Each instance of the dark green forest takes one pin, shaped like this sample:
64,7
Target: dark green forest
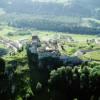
50,23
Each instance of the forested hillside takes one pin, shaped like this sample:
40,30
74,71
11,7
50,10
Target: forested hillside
54,7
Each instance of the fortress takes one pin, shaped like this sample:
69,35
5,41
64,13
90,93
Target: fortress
44,56
41,50
48,54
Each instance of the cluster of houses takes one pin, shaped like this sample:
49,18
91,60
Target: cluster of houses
14,46
52,44
66,38
96,41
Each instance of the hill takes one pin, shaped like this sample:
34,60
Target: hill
53,7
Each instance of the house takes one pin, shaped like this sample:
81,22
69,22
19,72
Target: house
97,41
24,41
66,38
35,40
90,41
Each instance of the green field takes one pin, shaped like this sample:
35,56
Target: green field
5,29
95,55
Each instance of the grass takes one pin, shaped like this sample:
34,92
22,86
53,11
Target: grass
2,46
95,55
76,37
4,30
19,55
18,37
43,34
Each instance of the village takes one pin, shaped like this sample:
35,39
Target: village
59,45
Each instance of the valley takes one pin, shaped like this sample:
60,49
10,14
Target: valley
74,49
49,50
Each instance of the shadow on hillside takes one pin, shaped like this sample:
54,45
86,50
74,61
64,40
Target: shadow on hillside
3,52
